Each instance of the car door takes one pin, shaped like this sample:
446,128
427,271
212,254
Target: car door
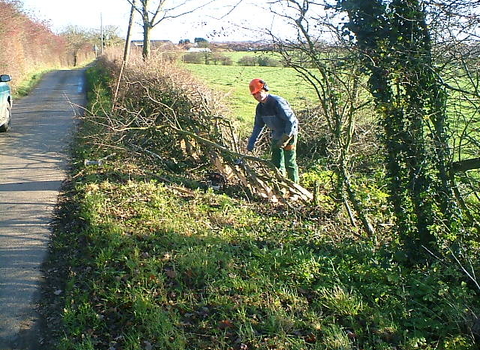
5,102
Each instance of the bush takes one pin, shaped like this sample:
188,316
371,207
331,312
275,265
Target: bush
194,57
266,61
220,58
248,61
227,61
170,56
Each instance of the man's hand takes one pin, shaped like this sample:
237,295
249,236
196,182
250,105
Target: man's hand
283,141
238,161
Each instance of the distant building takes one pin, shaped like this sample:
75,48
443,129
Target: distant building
155,44
199,49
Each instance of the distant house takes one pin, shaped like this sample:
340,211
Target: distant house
199,49
155,44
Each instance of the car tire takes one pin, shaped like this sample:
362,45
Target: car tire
6,126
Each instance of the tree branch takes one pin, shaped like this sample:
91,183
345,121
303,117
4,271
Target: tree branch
464,165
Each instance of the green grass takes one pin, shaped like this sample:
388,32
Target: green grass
204,271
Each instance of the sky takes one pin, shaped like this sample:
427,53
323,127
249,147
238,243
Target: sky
215,23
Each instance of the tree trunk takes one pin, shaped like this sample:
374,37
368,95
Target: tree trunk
146,31
407,93
146,42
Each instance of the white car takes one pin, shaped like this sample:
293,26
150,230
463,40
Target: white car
5,102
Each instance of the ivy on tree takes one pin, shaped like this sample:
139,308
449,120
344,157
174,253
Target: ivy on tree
396,49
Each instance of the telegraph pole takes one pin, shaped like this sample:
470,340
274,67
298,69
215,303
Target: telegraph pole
126,53
102,44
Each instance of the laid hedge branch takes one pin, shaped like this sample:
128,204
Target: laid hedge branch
260,176
267,181
465,165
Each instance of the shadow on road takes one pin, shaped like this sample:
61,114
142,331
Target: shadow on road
33,159
31,186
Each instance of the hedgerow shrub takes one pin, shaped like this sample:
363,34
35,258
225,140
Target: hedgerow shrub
222,59
266,61
28,44
248,61
167,98
262,61
194,57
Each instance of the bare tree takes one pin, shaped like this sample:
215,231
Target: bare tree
78,40
109,36
335,76
154,12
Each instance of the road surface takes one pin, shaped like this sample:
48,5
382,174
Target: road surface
33,155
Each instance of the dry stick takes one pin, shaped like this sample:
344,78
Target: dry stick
115,95
469,275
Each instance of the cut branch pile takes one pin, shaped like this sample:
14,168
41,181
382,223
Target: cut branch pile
162,112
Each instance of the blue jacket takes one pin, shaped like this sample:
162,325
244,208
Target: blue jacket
277,115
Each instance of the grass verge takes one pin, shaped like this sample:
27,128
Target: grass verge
25,86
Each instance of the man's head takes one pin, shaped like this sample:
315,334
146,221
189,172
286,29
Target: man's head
259,88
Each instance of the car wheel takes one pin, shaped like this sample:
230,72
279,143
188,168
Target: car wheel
6,126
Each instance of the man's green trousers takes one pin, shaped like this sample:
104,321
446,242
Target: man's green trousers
285,159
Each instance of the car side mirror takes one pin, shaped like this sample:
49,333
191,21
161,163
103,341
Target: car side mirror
4,78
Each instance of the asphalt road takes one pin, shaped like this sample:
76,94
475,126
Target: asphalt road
33,159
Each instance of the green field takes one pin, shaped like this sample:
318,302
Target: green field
234,80
237,55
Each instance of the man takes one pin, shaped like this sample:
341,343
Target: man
275,113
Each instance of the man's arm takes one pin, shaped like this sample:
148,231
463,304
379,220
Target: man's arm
257,129
285,112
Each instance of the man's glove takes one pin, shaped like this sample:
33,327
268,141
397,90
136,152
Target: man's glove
283,141
238,161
